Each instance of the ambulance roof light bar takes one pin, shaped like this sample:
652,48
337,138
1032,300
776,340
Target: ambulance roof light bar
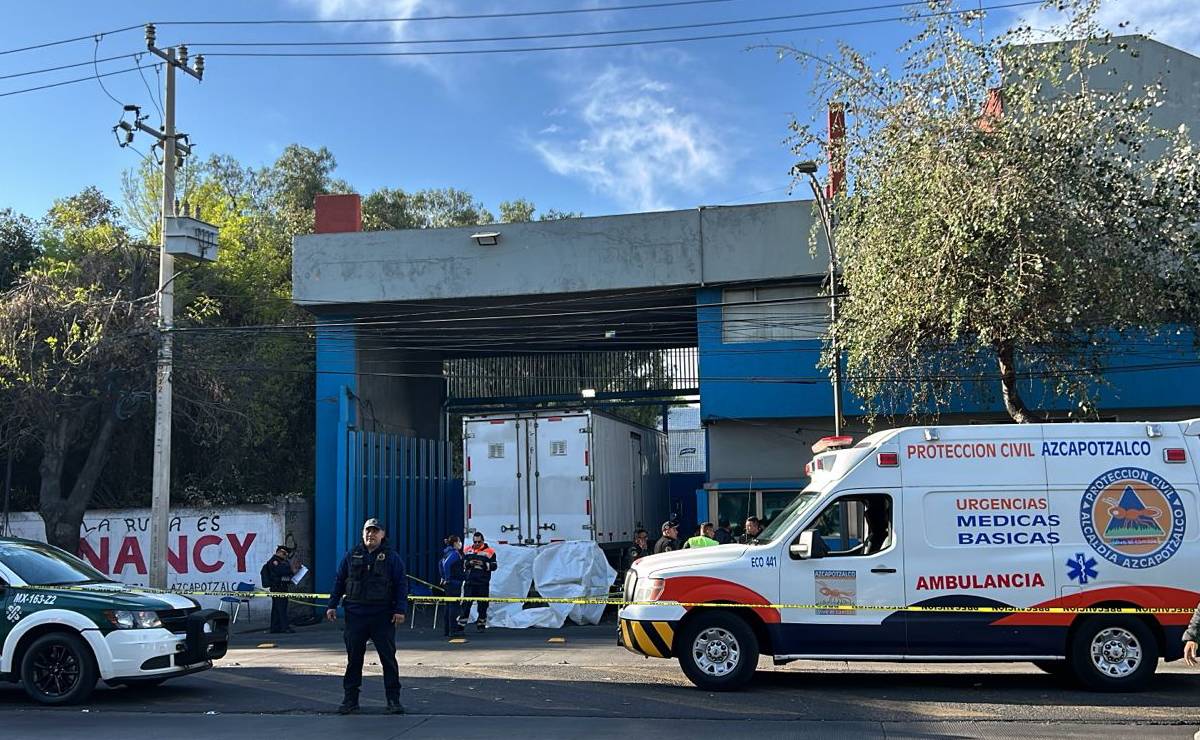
828,444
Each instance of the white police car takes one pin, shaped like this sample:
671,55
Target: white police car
64,626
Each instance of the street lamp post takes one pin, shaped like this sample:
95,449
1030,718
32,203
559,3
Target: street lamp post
810,169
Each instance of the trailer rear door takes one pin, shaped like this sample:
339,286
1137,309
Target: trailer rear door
562,479
497,497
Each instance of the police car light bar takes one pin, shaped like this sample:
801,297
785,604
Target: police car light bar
825,444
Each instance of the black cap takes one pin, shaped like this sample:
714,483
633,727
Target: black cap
668,524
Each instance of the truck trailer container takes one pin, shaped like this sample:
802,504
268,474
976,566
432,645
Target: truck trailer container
538,477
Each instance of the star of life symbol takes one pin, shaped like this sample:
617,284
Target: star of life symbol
13,613
1081,569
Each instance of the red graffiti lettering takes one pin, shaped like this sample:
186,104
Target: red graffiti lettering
130,554
202,565
240,548
99,562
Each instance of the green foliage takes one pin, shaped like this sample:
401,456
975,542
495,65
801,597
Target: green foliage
387,209
1035,239
18,246
522,210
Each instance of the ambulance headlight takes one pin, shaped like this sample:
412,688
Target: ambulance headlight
648,589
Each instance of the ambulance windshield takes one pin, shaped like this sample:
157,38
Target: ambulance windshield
787,517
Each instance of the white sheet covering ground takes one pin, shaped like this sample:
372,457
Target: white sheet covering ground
564,570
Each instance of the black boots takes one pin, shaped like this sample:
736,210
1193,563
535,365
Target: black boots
349,704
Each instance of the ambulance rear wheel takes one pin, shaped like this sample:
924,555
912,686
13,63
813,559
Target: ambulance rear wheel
717,651
1114,653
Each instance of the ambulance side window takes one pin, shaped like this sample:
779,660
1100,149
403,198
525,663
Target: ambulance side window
856,525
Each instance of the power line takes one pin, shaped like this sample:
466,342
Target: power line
473,16
616,44
572,34
132,55
89,78
70,40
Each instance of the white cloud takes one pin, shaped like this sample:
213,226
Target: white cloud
1172,22
399,31
628,139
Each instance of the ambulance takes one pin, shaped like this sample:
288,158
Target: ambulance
948,544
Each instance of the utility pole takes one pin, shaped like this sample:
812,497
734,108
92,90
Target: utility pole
173,149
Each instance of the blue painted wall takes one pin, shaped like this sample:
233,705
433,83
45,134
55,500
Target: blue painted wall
758,380
336,365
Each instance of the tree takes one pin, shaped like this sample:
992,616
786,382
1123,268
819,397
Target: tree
76,353
522,210
1035,240
18,246
436,208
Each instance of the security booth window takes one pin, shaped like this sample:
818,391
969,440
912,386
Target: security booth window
856,525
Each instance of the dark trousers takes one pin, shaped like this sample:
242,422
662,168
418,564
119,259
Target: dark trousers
475,591
453,608
279,615
377,628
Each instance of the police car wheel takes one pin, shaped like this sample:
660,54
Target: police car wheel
59,668
717,651
1114,654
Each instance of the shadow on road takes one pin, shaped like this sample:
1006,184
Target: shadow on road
623,691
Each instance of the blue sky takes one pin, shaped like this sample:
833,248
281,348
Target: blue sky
599,131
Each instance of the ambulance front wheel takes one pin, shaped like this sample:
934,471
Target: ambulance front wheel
1113,653
717,651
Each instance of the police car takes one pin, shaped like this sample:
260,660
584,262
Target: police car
949,544
64,626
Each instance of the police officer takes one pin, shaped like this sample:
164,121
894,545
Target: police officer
372,579
754,528
277,577
479,560
453,581
669,540
1191,638
639,549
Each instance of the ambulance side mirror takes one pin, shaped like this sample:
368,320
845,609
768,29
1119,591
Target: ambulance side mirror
803,548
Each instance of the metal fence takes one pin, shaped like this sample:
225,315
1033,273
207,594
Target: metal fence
613,373
407,484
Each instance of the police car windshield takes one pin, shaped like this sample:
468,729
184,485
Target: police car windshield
43,565
785,518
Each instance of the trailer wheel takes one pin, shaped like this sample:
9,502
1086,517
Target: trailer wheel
1113,653
717,651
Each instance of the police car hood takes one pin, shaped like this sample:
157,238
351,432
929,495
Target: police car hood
118,595
650,565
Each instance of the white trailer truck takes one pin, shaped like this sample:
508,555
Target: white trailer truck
533,478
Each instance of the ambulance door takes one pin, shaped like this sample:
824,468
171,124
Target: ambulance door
857,562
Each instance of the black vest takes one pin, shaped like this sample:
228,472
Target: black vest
370,579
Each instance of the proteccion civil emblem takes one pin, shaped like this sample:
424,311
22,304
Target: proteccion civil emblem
1132,517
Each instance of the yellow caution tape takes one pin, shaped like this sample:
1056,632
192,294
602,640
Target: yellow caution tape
684,604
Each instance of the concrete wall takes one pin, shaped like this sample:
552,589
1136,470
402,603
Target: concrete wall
644,250
392,397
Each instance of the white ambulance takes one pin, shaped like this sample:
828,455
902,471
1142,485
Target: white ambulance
966,518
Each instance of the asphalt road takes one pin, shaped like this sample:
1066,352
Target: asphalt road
577,683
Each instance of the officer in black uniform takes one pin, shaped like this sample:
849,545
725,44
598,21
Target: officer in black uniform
669,540
372,579
277,577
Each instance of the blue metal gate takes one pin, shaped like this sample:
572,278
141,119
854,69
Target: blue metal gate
406,483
